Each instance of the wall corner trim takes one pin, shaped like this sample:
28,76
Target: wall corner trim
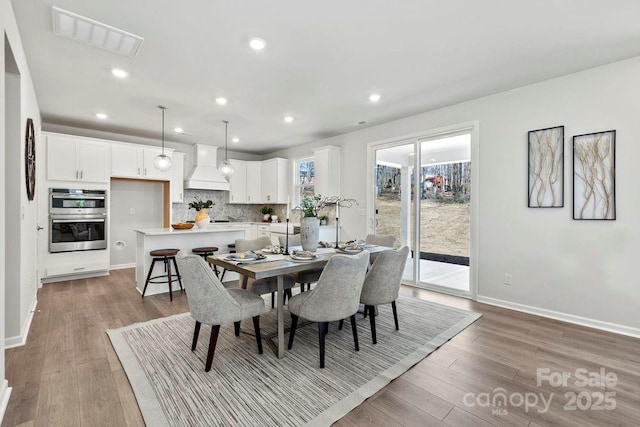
5,393
20,340
565,317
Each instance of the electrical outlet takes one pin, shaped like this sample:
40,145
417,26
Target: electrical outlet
508,279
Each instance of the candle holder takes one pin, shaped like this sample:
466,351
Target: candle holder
337,229
286,245
340,202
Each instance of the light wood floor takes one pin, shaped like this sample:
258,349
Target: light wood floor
67,374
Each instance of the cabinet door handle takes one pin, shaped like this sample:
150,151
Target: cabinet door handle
268,197
76,174
232,197
145,171
248,198
79,268
180,196
81,174
138,171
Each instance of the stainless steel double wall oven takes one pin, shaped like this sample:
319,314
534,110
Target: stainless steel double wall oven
77,219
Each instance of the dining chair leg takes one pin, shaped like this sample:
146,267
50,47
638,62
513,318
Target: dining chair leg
292,330
196,332
355,331
273,300
236,328
372,321
395,314
215,329
256,329
322,331
340,324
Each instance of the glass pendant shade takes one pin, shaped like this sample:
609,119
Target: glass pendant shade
162,162
225,168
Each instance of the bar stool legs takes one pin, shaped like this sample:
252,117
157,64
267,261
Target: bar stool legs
167,256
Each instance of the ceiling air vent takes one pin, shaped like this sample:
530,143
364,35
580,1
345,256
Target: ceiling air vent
73,26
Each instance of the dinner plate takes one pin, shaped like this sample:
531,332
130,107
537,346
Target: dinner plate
246,257
303,259
349,251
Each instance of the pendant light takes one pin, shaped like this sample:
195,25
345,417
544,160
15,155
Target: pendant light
162,162
225,168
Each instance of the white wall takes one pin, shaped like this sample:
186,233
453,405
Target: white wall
27,225
134,204
577,270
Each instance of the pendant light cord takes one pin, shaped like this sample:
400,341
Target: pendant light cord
226,141
162,108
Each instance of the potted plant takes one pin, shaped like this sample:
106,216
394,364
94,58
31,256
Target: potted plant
266,211
324,219
310,224
202,218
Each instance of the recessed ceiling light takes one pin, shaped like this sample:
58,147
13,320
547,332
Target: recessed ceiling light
179,130
101,116
375,97
288,119
257,43
119,73
221,100
235,139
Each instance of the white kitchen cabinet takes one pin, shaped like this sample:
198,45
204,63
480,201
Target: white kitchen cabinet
177,178
136,161
254,187
238,182
71,158
275,180
327,170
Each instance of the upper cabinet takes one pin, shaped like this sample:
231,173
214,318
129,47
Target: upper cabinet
274,180
177,177
136,161
71,158
259,182
327,170
254,188
238,182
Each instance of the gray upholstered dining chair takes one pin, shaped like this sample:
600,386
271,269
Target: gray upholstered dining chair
382,284
305,278
210,303
335,297
269,284
379,240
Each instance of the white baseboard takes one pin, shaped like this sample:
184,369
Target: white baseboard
122,266
17,341
5,393
565,317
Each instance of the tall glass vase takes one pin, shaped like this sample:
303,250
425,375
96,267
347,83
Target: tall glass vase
310,233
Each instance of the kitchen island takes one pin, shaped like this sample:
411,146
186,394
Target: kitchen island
149,239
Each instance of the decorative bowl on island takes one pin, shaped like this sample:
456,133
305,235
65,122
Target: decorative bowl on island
182,226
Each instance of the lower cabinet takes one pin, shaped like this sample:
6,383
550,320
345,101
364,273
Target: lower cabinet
65,265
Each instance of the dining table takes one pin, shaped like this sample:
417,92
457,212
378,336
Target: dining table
278,265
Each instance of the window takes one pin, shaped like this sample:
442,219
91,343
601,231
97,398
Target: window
304,178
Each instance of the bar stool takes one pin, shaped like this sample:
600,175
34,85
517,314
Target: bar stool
165,255
204,252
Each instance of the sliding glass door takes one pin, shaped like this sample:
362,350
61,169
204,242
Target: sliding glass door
423,198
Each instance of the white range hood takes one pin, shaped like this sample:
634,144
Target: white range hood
205,174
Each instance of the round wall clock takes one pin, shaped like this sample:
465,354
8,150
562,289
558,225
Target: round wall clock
30,159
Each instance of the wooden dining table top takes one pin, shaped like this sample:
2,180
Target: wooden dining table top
275,265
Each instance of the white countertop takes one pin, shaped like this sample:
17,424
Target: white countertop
213,228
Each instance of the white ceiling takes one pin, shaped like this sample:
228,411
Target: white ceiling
322,61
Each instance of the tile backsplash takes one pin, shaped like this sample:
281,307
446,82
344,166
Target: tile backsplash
222,209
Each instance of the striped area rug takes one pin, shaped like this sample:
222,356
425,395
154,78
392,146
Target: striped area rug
244,388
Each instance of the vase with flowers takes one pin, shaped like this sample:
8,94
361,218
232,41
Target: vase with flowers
202,218
310,224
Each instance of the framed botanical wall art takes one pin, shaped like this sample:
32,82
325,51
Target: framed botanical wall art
594,172
546,168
